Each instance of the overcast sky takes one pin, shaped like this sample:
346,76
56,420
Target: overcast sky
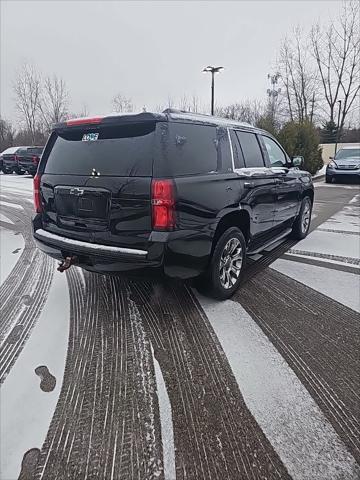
149,50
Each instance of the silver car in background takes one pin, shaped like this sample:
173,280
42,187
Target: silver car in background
345,164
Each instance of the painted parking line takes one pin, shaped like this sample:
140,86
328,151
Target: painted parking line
305,441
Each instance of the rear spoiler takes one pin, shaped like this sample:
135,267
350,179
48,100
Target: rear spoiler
116,119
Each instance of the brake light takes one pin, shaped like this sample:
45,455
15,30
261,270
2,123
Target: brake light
163,204
35,159
16,158
83,121
37,196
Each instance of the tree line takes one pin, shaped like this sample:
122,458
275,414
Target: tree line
314,91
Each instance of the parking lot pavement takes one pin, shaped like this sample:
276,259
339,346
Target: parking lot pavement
115,379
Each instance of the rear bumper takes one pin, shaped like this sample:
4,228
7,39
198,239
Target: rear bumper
10,166
65,243
174,254
31,168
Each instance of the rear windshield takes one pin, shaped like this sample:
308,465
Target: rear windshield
124,150
35,150
30,151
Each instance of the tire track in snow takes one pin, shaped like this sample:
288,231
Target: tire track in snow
215,435
106,423
23,293
319,339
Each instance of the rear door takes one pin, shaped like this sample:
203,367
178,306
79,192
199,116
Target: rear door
96,183
258,183
288,191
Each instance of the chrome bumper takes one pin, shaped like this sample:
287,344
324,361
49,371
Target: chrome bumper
86,247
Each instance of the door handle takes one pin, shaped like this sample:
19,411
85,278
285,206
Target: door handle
249,184
278,181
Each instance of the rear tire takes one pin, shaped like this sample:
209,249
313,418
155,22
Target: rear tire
302,223
226,268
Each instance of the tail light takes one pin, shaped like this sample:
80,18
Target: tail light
16,158
163,204
35,159
37,196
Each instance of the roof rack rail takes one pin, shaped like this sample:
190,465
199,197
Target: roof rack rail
204,116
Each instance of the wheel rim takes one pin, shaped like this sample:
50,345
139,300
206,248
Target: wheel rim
230,263
305,220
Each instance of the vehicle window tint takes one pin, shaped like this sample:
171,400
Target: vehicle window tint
21,152
125,150
238,155
35,150
276,155
193,149
347,153
251,149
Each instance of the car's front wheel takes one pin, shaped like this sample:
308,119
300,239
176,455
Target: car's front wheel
227,264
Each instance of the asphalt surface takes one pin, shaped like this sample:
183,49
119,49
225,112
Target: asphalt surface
146,386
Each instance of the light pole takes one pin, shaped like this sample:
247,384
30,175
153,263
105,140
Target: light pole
338,124
212,70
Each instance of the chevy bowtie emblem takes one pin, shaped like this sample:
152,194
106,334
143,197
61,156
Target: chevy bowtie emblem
77,191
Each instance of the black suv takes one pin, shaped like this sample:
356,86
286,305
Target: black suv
21,159
174,193
28,159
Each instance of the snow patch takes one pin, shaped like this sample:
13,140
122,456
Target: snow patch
25,410
9,243
167,433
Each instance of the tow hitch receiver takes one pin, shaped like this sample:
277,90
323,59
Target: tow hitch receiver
66,263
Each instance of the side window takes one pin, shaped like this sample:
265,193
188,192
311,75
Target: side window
193,149
251,149
238,156
276,155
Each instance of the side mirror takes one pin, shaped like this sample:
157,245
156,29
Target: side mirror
297,161
331,158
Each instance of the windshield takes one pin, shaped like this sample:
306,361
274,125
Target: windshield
347,153
124,150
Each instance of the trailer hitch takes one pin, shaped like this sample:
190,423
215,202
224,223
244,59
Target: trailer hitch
66,263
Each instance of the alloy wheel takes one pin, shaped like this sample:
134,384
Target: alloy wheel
230,263
306,215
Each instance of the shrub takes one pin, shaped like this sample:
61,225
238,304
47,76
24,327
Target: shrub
302,139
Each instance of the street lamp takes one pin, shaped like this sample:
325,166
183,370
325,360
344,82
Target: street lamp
338,125
212,70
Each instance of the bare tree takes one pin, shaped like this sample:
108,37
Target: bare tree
7,133
84,112
249,111
122,104
53,103
299,78
27,88
337,54
191,104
